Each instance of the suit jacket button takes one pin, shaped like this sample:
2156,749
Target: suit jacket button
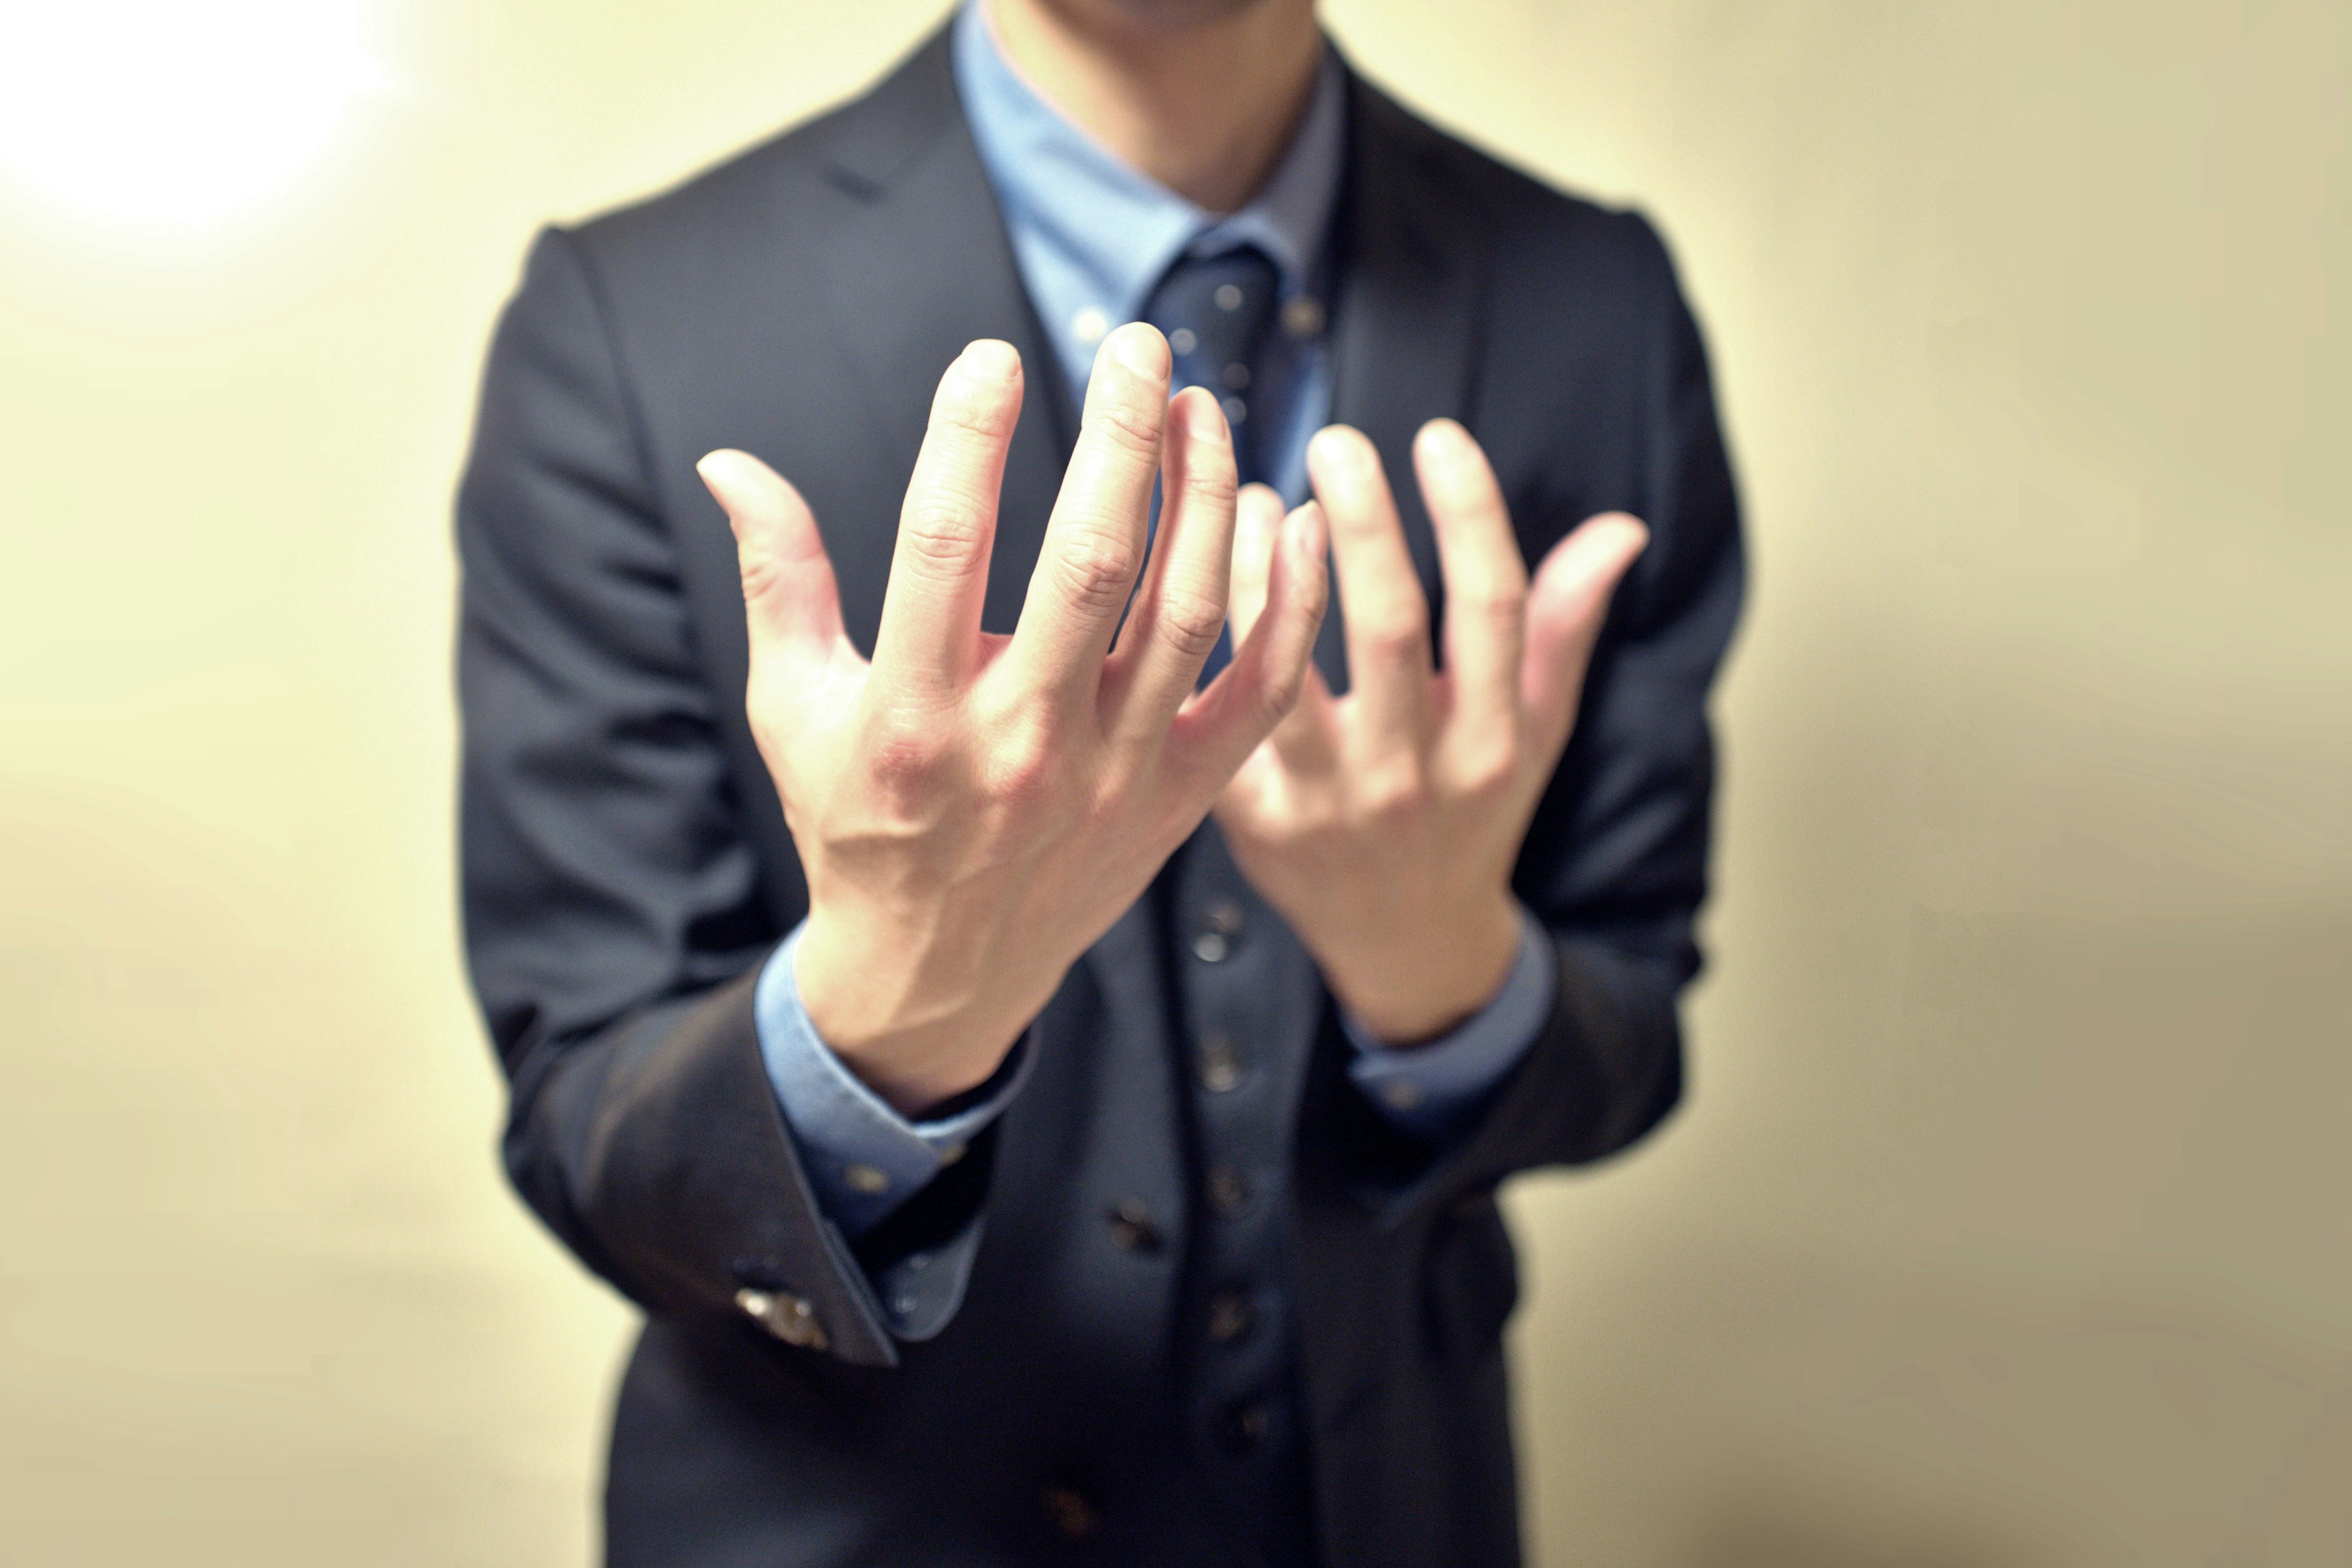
788,1317
1230,1316
1242,1427
1221,1065
1132,1229
1074,1516
1229,1192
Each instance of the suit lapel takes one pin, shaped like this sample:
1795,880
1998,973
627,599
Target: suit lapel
920,266
1404,335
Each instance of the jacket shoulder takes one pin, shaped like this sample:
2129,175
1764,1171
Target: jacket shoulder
845,149
1534,228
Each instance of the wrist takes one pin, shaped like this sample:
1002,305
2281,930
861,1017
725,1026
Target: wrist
1415,986
913,1047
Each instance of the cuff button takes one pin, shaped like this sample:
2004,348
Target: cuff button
788,1317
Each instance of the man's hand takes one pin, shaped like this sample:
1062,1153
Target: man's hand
974,810
1384,824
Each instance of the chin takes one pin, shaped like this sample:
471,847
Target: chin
1170,13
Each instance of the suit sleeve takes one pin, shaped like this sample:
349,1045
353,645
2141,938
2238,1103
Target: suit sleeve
1615,863
615,922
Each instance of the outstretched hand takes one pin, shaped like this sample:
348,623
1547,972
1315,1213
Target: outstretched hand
974,810
1384,824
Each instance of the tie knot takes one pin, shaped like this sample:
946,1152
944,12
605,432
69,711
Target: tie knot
1215,310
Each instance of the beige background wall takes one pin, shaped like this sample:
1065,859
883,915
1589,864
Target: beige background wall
2007,1222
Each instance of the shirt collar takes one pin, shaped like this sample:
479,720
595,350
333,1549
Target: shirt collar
1120,227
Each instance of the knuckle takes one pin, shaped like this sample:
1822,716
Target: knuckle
1393,794
1093,567
1212,484
1502,615
962,414
1283,686
1400,637
1489,766
1189,620
943,534
907,752
1128,427
1022,763
761,577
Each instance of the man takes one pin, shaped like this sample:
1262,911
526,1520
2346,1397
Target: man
1013,1167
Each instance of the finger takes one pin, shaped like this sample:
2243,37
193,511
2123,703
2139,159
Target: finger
1566,607
1180,608
1485,582
1381,595
1095,543
1257,523
1303,737
930,635
1273,669
792,604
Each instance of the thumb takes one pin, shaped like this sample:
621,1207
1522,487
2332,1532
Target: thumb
791,602
1566,605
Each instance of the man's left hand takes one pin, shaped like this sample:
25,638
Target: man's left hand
1383,825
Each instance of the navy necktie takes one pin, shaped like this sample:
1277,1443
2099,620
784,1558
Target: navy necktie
1215,310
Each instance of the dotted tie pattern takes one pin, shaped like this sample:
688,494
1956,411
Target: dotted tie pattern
1215,310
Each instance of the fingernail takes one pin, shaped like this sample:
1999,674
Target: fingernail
1338,447
988,360
1444,440
1142,350
1203,419
1309,536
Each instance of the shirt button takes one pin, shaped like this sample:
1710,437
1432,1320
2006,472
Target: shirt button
1237,375
1228,1192
1242,1427
1230,1316
865,1179
1302,315
1401,1095
1132,1229
1074,1516
1211,947
1228,296
1090,325
1221,1065
1237,411
1225,916
1183,340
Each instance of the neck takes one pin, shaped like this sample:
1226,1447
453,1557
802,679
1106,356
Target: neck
1201,103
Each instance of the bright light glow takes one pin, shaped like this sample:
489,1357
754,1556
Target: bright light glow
174,111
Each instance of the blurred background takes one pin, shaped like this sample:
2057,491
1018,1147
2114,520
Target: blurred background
2010,1218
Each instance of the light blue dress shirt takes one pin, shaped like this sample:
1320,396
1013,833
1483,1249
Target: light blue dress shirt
1092,238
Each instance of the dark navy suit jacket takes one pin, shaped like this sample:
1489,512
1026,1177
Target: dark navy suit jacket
627,868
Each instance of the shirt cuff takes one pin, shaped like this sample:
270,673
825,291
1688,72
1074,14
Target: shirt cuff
1428,1090
863,1157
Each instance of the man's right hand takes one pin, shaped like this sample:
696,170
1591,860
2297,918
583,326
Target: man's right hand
973,810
